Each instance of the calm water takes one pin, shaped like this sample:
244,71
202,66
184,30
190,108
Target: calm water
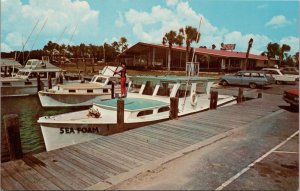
29,110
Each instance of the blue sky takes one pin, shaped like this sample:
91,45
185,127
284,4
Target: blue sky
102,21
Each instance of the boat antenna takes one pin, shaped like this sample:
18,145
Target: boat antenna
36,38
24,44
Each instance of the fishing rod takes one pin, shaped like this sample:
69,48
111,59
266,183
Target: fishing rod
37,38
24,44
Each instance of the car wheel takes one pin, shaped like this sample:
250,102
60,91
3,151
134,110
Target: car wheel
252,85
224,83
278,82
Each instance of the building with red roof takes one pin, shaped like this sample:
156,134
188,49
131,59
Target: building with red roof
148,55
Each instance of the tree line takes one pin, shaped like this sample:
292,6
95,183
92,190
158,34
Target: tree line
106,52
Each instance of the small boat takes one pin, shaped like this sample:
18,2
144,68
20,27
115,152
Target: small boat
147,101
82,94
9,67
25,81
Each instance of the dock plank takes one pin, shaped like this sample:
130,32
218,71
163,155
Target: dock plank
83,165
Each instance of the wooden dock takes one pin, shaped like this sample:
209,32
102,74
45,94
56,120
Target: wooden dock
85,165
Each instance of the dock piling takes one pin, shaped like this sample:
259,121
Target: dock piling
49,82
12,131
112,90
259,94
174,107
38,79
240,97
120,114
213,100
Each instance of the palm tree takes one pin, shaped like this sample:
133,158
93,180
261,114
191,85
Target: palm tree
284,48
123,44
191,35
296,59
170,38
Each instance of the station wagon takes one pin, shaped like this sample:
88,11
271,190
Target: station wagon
248,78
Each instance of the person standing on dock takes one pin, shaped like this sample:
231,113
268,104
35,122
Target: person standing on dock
122,73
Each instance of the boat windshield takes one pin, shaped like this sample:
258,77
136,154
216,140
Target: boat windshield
101,80
31,64
22,73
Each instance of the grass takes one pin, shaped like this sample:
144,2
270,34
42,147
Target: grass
73,69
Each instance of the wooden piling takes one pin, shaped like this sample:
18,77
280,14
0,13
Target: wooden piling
12,131
213,100
38,81
174,107
61,79
5,71
148,89
112,90
259,94
165,88
49,81
120,115
240,97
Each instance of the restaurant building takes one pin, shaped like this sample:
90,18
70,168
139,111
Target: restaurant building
155,56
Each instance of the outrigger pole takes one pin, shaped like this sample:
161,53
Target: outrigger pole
189,78
24,44
37,38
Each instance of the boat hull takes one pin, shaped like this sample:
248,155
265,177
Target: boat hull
70,100
61,135
57,135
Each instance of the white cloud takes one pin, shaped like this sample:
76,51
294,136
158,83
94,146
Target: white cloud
171,2
293,42
151,26
119,22
161,20
5,48
278,21
259,41
19,19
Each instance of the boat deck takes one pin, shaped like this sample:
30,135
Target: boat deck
100,163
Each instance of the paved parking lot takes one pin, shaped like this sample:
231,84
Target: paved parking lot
263,156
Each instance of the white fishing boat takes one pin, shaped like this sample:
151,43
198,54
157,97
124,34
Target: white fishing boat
25,81
9,67
139,109
82,94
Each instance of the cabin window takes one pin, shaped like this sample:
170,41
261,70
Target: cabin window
72,91
163,109
105,90
101,80
43,75
6,83
28,83
89,91
146,112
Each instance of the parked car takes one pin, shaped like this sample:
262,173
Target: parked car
292,97
248,78
290,70
281,78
